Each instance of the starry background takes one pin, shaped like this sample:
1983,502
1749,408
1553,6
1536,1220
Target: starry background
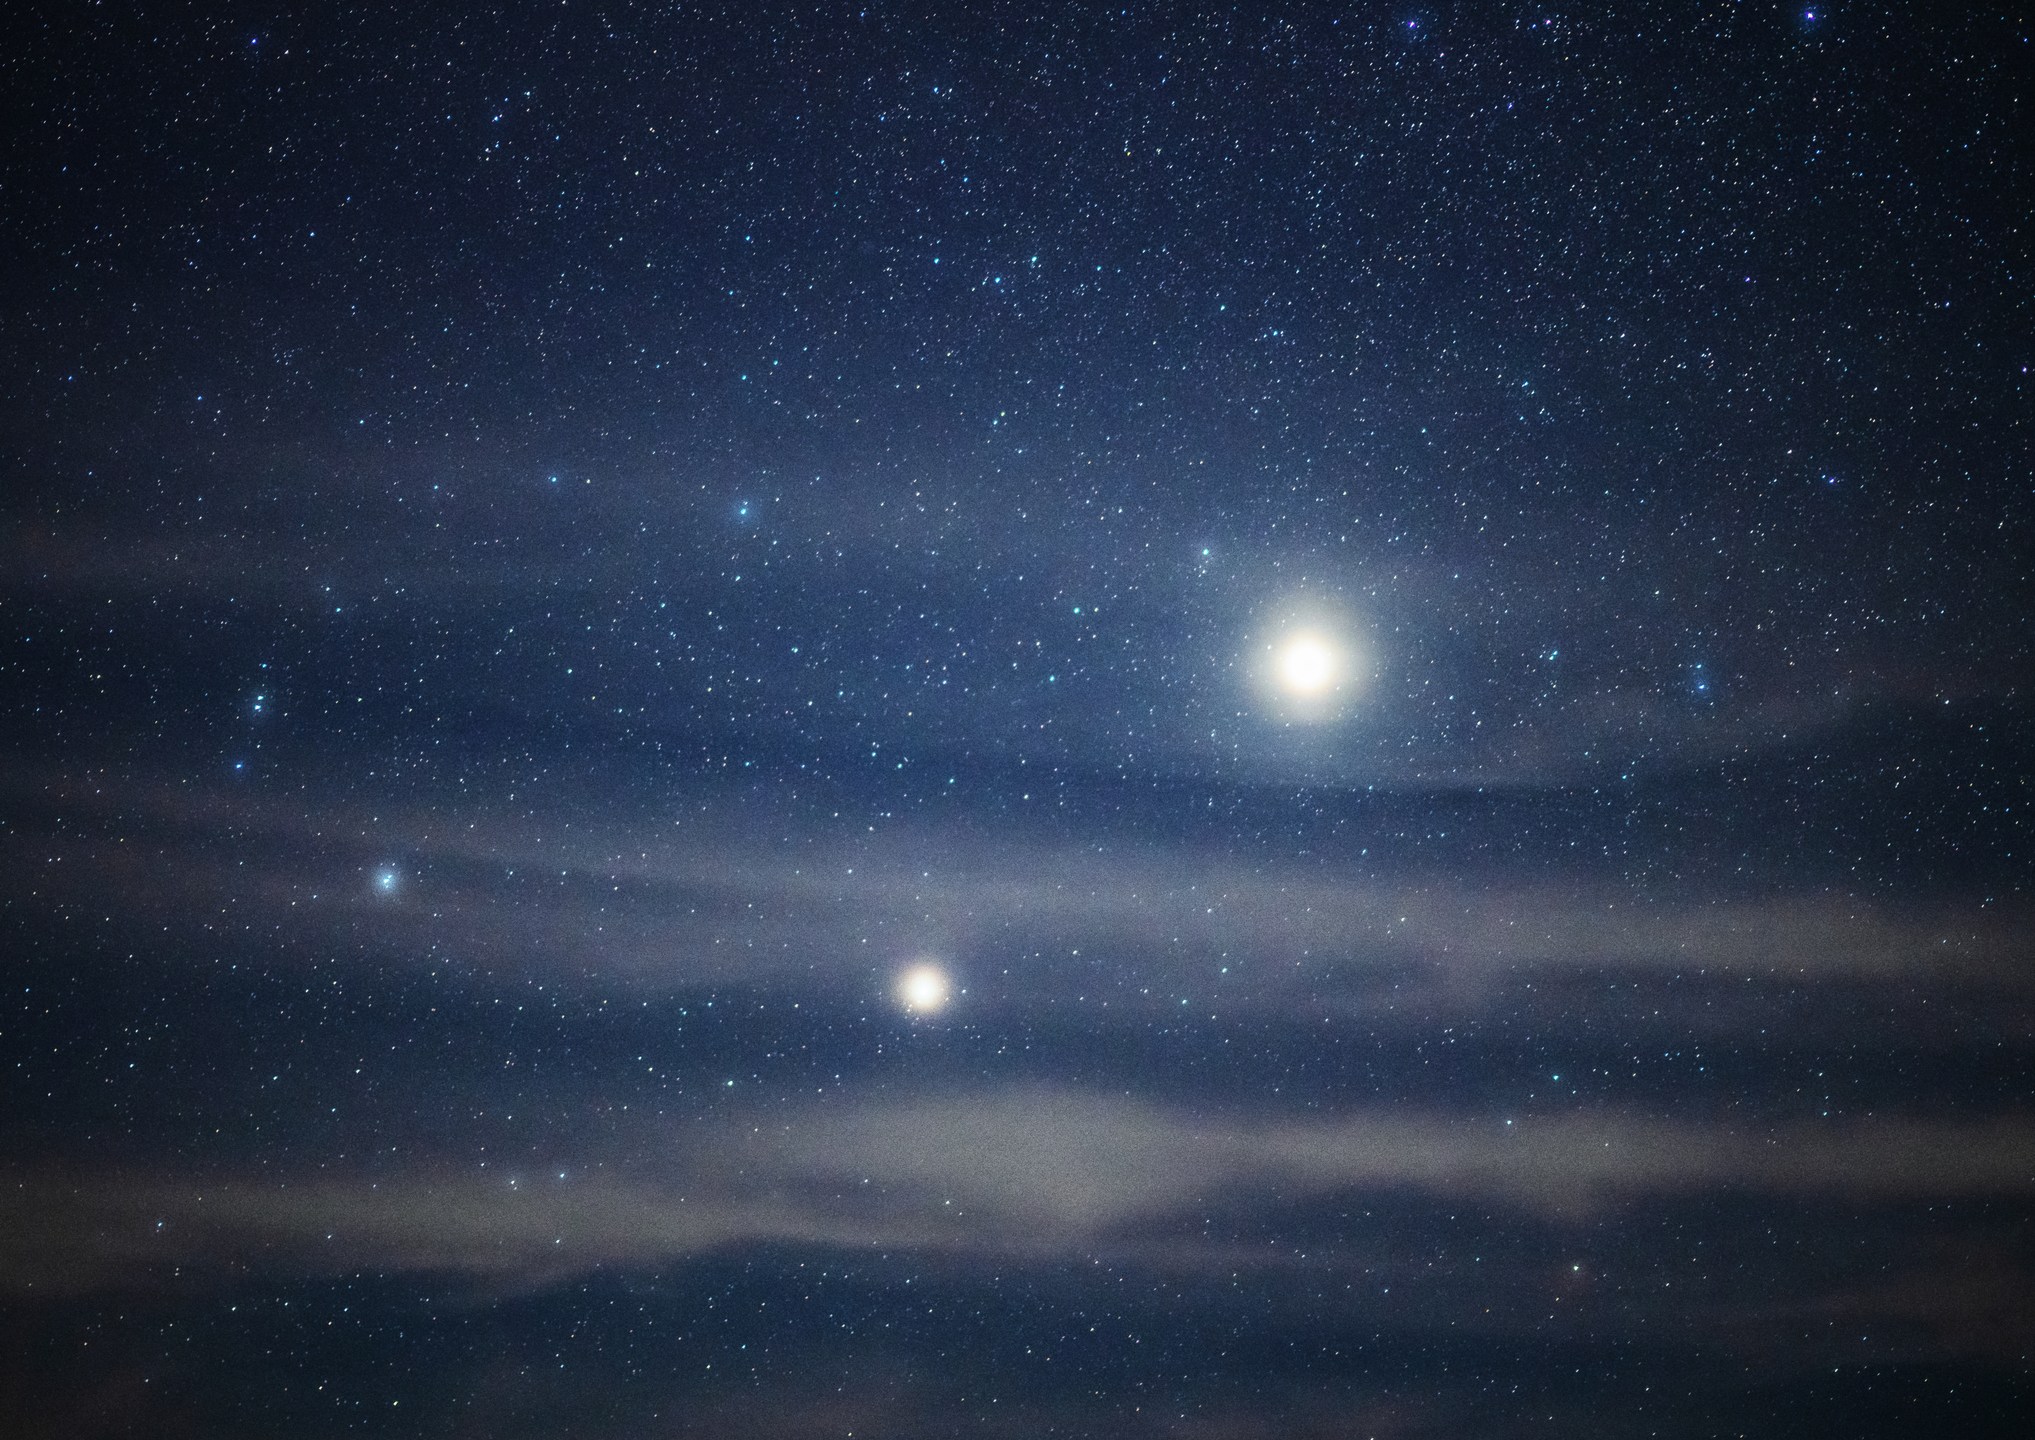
551,552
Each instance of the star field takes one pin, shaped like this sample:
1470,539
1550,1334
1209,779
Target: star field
801,721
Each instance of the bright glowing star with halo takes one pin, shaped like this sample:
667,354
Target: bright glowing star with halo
1307,666
924,989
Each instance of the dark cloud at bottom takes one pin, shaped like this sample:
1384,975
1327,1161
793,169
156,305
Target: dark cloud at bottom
1455,1323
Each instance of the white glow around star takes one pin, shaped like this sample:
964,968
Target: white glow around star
1307,665
924,989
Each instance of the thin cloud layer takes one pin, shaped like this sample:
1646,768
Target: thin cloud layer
666,902
1029,1173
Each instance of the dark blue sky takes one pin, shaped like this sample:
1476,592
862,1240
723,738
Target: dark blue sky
552,553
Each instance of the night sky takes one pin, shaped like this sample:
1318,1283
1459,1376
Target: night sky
987,721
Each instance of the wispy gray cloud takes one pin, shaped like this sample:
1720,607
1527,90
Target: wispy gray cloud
707,895
1025,1173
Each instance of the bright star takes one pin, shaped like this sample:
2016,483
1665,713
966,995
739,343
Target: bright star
1307,665
924,989
385,882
